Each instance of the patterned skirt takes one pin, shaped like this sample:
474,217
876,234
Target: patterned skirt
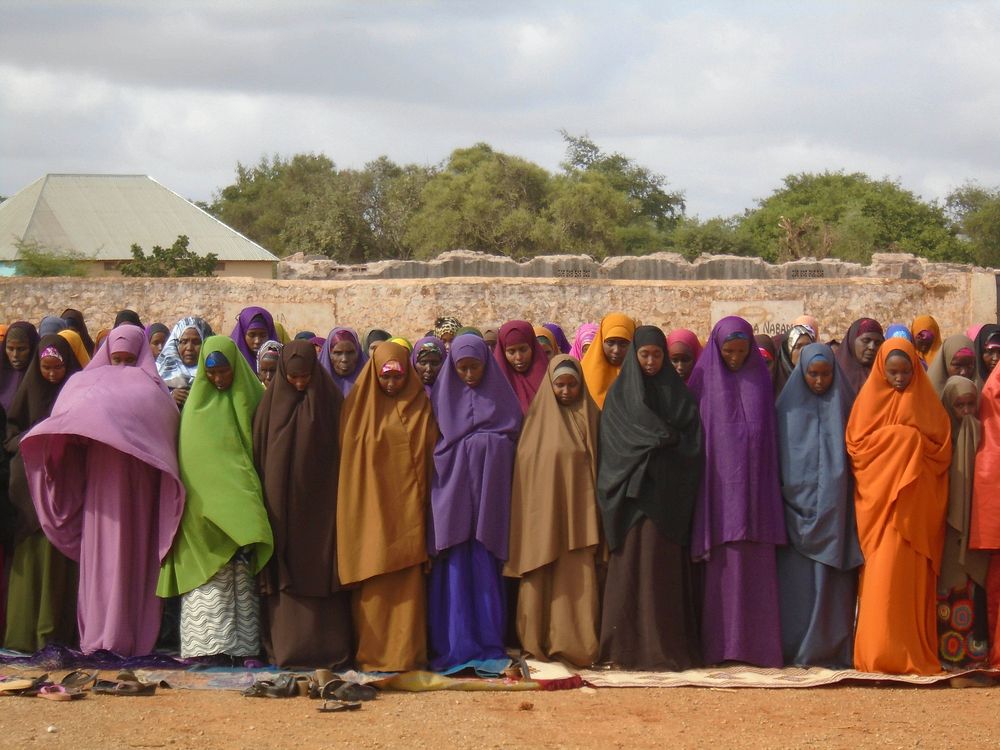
222,616
963,633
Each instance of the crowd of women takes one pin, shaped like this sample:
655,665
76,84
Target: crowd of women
631,498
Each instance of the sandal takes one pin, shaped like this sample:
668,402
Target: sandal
331,706
78,679
124,687
347,691
59,693
15,686
285,686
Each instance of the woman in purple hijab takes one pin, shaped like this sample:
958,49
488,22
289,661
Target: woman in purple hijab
739,514
342,356
561,341
254,326
427,358
16,353
479,418
105,484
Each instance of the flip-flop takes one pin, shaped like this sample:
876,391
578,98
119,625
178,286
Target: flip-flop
124,687
14,687
285,686
347,691
59,693
331,706
78,679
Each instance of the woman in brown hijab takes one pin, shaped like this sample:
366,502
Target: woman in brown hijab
388,435
306,614
554,530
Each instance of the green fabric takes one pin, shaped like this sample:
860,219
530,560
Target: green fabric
224,509
41,599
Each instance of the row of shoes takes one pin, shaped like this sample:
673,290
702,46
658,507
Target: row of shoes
337,694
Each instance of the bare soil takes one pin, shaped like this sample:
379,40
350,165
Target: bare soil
716,719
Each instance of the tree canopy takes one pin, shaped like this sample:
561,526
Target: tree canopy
176,260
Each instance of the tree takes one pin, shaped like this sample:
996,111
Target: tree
173,261
34,259
974,212
693,237
848,216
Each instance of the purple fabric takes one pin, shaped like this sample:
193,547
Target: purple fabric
561,341
585,334
105,483
238,335
128,338
474,455
419,346
344,383
10,378
740,496
465,609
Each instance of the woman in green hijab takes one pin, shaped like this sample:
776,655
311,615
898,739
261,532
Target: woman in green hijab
224,538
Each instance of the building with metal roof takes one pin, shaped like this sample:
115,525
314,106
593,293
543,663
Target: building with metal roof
101,216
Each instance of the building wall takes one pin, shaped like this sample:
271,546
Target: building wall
956,296
254,269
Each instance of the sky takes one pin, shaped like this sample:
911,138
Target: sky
722,98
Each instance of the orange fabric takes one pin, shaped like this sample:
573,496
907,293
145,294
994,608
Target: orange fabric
992,600
927,323
900,449
985,532
387,445
76,344
597,371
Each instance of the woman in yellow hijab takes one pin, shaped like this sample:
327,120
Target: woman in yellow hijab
603,360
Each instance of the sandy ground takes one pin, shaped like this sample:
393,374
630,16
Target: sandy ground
835,717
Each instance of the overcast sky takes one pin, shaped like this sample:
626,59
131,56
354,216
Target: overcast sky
723,98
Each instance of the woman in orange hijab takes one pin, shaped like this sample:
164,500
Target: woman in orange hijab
899,441
387,436
603,360
927,337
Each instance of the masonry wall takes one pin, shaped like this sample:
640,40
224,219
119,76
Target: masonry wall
955,295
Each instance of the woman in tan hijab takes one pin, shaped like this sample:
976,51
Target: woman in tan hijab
554,529
387,438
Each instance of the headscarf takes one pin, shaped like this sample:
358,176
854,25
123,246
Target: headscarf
985,333
386,445
296,449
10,378
973,330
51,324
132,339
816,480
169,364
248,319
900,448
404,342
428,344
927,323
651,449
376,334
937,372
76,344
687,338
469,329
740,495
343,382
584,335
445,325
128,316
898,331
99,338
561,344
524,384
74,319
154,328
224,510
474,457
985,533
283,337
304,335
541,332
269,350
554,495
965,439
768,348
597,371
32,403
855,374
788,342
808,320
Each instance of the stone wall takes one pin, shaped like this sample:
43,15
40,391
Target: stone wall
955,295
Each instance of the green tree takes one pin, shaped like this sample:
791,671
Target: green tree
34,259
975,214
848,216
173,261
718,236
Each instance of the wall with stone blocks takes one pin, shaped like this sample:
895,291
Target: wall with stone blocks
955,295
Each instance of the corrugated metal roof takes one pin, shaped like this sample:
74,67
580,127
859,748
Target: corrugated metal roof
101,216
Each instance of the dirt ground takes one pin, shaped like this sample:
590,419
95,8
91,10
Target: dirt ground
835,717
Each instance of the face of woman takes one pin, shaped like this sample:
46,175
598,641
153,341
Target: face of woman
614,350
681,360
18,352
518,356
734,353
343,358
490,337
898,372
819,376
650,358
546,347
866,346
964,405
299,380
156,342
391,382
189,346
254,338
52,369
123,358
428,366
962,364
802,342
567,389
470,370
990,357
266,370
221,376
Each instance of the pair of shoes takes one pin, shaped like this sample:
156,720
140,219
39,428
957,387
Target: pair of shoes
343,690
285,686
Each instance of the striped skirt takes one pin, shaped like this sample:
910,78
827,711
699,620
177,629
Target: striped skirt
222,616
